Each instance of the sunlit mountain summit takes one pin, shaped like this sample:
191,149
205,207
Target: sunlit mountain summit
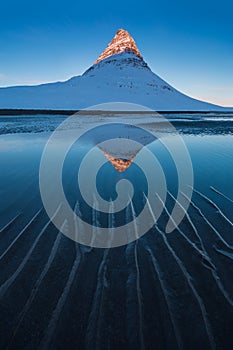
122,42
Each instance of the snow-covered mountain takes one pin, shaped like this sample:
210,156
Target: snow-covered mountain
120,74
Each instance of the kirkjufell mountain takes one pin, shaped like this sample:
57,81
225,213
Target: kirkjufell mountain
120,74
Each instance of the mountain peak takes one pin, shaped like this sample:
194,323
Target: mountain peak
119,164
122,42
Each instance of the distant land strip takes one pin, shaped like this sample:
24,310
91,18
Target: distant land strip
94,112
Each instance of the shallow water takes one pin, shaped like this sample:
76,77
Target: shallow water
165,291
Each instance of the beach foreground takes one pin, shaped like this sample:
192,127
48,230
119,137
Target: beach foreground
165,291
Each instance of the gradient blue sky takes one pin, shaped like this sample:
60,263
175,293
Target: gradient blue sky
189,44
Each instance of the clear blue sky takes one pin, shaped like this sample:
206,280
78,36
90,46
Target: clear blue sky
189,44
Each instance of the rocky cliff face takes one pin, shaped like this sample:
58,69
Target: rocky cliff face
122,42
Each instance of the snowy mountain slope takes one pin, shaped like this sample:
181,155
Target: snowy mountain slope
120,77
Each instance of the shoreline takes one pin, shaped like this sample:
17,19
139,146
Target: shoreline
94,112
